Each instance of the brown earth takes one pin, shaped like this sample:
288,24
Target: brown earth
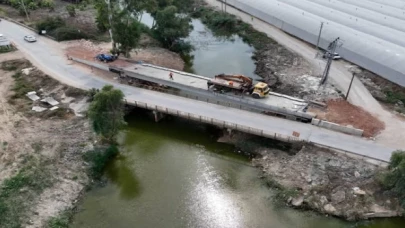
342,112
87,50
56,138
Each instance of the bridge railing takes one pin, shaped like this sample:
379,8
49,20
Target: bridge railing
217,122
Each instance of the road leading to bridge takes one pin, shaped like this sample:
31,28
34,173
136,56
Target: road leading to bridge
48,56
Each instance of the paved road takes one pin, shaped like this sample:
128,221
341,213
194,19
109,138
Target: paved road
46,55
339,75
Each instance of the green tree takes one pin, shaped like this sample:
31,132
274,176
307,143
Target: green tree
394,178
106,112
170,27
126,32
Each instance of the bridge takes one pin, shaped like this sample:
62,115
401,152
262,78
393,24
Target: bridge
48,56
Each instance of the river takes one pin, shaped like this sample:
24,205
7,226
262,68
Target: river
174,174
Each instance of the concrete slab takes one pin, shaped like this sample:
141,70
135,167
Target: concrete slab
32,96
38,109
50,101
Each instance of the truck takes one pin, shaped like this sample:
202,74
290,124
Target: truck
239,83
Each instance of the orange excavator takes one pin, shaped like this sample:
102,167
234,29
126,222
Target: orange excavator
239,83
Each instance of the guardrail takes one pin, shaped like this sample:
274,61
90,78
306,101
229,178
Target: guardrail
217,122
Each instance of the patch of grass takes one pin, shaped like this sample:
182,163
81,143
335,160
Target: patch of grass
394,97
37,146
62,220
21,86
99,158
17,192
6,49
13,65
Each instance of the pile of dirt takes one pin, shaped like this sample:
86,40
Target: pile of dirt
328,182
342,112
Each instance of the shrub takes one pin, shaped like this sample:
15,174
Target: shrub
46,3
50,24
71,10
99,158
394,178
68,33
32,6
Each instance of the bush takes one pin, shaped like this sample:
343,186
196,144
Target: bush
71,10
46,4
32,6
99,158
394,178
68,33
50,24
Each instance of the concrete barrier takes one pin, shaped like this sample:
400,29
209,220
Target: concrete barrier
337,127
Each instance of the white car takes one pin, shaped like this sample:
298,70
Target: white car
335,56
30,38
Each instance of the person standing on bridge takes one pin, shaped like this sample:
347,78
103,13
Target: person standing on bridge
171,75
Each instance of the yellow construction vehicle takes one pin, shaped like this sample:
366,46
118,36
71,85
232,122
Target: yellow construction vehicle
239,83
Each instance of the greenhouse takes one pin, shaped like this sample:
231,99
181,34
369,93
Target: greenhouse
371,31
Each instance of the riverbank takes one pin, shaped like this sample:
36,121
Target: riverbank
42,169
318,179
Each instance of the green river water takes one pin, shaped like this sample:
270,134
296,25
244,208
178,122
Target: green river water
174,174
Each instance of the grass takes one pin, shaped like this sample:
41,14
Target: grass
18,192
21,86
62,220
98,159
394,97
6,49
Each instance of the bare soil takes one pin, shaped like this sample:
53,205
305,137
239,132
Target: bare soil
87,50
326,181
342,112
311,177
57,137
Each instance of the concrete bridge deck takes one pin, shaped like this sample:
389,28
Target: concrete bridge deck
47,55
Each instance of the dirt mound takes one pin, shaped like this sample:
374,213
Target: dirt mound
342,112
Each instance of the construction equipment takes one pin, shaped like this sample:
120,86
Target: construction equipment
239,83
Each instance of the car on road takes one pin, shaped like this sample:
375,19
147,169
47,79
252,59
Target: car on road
106,57
335,55
30,38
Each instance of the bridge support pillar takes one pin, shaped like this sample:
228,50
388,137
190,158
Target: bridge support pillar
158,116
229,132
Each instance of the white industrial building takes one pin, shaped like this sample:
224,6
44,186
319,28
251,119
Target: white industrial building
372,31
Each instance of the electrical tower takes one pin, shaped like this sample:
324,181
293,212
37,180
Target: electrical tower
330,54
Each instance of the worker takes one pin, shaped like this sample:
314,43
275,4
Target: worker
171,75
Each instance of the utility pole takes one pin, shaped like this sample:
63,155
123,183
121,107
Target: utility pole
330,55
225,6
350,86
319,36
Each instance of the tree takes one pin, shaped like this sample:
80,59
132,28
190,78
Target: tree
394,178
126,32
106,112
170,27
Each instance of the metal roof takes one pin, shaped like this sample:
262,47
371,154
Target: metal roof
372,31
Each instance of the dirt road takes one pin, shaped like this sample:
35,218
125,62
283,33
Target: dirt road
340,76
